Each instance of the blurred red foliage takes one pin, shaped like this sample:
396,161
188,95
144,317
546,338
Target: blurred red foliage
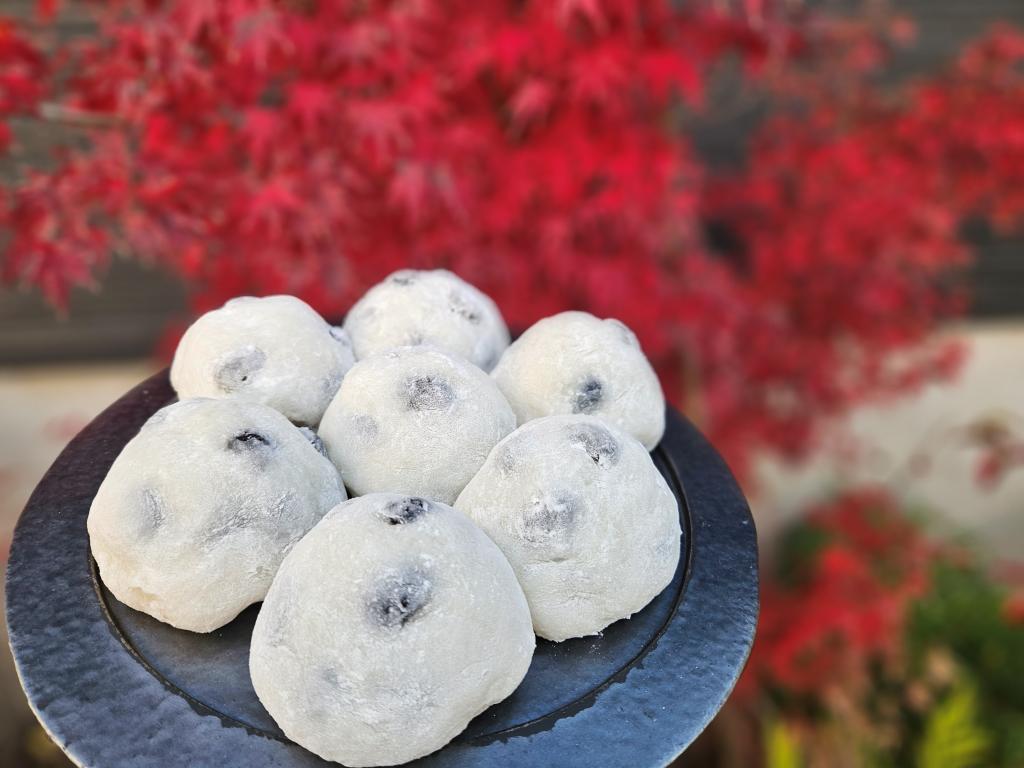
312,146
870,630
22,72
1014,609
841,614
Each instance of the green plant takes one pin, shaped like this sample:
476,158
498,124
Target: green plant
953,736
964,611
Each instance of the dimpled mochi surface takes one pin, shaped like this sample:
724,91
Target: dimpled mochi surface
584,517
414,420
200,507
428,307
575,363
275,350
388,628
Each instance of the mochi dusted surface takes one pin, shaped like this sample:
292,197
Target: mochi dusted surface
428,307
414,420
275,350
575,363
584,517
388,628
200,508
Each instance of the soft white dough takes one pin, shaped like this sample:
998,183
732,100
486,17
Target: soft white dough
275,350
202,505
584,517
575,363
388,628
434,307
414,420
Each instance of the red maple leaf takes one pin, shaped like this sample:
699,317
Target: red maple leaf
311,103
531,101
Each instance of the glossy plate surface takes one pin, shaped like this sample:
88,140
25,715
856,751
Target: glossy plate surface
114,687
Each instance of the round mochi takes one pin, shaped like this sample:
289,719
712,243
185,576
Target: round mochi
575,363
435,307
197,512
414,420
388,628
584,517
275,350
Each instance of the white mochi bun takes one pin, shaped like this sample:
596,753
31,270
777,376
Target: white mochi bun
584,517
575,363
200,508
388,628
428,307
414,420
275,350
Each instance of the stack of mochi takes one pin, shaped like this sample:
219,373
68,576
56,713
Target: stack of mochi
498,491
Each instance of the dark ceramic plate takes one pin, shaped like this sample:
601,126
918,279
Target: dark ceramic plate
115,688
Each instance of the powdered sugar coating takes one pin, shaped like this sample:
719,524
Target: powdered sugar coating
433,307
388,628
575,363
275,350
584,517
202,505
414,420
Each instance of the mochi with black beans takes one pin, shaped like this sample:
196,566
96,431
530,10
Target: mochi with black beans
432,307
584,517
414,420
575,363
200,508
275,350
391,625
